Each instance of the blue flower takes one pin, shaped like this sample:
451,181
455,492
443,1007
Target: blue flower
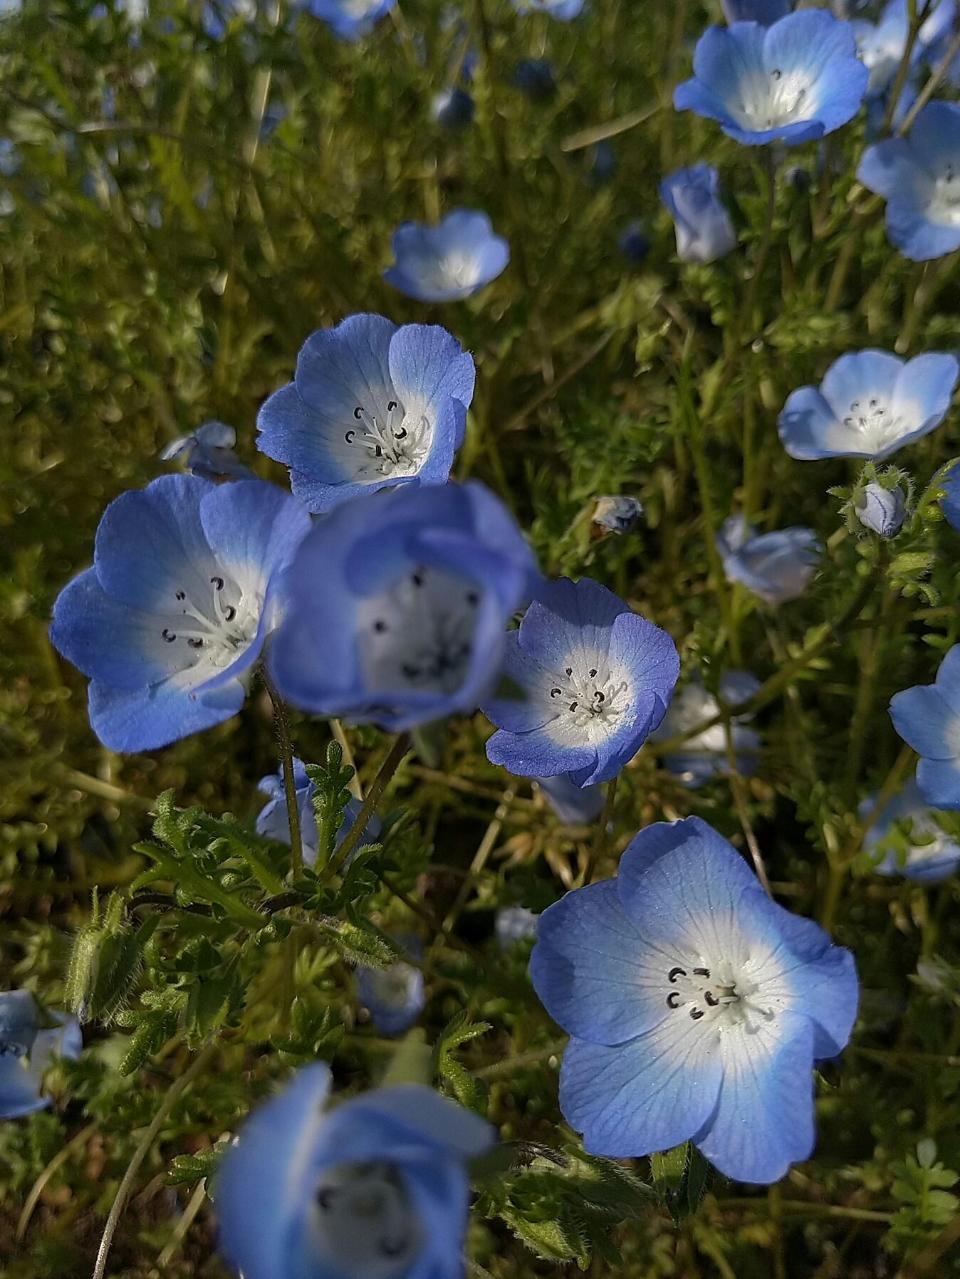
294,1194
927,717
564,10
881,510
418,586
696,1004
350,19
776,566
634,242
617,514
394,996
448,262
703,227
703,757
596,680
950,502
208,452
178,605
919,177
272,820
516,923
371,405
453,108
792,82
766,12
868,405
574,805
27,1052
535,78
921,850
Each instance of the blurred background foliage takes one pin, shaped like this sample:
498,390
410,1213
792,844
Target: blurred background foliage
182,200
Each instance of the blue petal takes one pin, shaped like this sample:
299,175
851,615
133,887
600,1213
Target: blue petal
859,376
339,368
648,653
567,616
292,432
523,713
19,1020
806,424
924,391
19,1089
950,502
935,136
891,169
926,721
534,754
145,719
428,364
939,782
422,1115
253,528
948,678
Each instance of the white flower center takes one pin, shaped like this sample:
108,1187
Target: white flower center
364,1223
718,997
390,988
588,698
771,101
873,418
391,443
455,270
208,636
943,206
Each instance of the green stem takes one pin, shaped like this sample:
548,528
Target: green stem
599,846
379,784
281,727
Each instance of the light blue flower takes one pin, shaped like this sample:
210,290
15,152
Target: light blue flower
453,108
703,226
882,44
516,923
574,805
564,10
881,510
294,1194
535,78
372,405
704,756
617,514
208,452
394,996
792,82
634,242
868,405
273,822
919,177
766,12
776,566
350,19
27,1052
696,1005
921,850
950,502
418,586
927,717
448,262
183,593
596,680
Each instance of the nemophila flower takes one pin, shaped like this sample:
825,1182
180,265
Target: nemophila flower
350,19
703,226
27,1052
178,605
375,1188
273,821
418,586
601,163
208,452
393,996
776,566
868,405
596,680
792,82
950,502
880,509
575,805
919,177
908,839
766,12
513,924
372,405
696,1004
705,756
535,78
453,108
927,717
617,514
448,262
564,10
634,242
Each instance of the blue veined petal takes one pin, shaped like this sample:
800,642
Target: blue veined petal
592,970
950,502
418,1114
763,1120
807,425
567,616
859,376
534,754
147,718
291,431
948,678
917,238
925,389
573,804
643,1096
646,711
521,713
926,721
648,653
339,368
427,364
724,60
253,528
939,782
891,168
440,1192
935,135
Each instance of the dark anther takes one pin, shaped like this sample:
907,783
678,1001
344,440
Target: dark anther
473,597
711,998
195,643
393,1247
417,578
673,999
776,74
697,1013
409,671
593,672
324,1196
701,972
366,1169
168,635
217,582
230,613
574,705
181,595
379,626
358,412
350,436
599,697
401,434
556,692
391,405
569,670
378,451
674,973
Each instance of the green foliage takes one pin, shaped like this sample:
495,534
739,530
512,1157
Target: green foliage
922,1189
330,799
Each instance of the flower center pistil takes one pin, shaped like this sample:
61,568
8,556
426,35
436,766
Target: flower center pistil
714,996
874,418
775,100
365,1221
215,635
588,697
391,443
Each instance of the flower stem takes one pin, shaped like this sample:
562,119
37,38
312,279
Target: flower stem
379,784
599,846
281,727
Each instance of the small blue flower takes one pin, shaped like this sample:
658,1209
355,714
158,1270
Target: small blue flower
617,514
453,108
927,717
26,1052
273,823
766,12
776,566
601,163
703,226
208,452
574,805
696,1004
881,510
564,10
596,680
394,996
868,405
371,405
921,851
882,44
294,1194
919,177
950,502
792,82
516,923
178,605
634,242
704,757
448,262
350,19
535,78
418,586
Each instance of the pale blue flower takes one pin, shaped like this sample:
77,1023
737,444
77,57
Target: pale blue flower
634,242
921,850
27,1052
453,108
704,756
448,262
273,822
208,452
703,227
696,1005
776,567
882,44
881,510
617,514
516,923
927,717
394,996
350,19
